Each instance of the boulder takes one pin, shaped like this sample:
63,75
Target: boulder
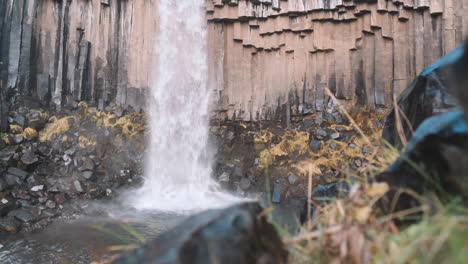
436,160
426,96
233,235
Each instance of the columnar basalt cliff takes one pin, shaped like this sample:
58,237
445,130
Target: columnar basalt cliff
76,50
266,57
271,53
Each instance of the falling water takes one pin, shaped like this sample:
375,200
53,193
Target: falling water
178,164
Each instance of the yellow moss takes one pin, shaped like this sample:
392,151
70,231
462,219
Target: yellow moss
57,127
16,129
30,133
52,119
86,141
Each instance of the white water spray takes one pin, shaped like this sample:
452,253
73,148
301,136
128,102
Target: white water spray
178,165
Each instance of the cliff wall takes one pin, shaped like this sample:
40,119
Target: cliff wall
72,50
266,57
265,54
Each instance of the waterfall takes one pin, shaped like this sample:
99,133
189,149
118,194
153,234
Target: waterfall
179,163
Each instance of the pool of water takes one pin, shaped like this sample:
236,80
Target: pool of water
90,239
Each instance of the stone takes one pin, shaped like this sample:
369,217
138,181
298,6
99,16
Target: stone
427,96
78,186
3,185
9,224
276,196
236,234
333,145
88,164
37,188
320,134
439,146
335,135
366,151
358,162
29,158
18,172
60,198
293,179
308,122
87,175
19,120
50,204
327,193
315,145
352,145
224,177
18,139
245,184
6,205
7,153
24,216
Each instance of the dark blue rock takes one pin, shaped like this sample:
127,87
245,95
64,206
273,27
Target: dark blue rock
315,145
233,235
326,193
276,196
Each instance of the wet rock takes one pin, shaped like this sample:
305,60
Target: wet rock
224,177
293,179
24,216
9,224
60,198
325,193
78,186
88,175
29,158
315,145
37,188
276,196
6,205
245,184
6,154
234,235
50,204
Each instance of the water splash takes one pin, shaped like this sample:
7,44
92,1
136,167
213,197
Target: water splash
179,163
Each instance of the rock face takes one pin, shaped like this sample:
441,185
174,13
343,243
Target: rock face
76,50
265,56
269,53
232,235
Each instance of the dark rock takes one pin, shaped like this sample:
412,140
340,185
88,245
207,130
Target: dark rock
439,148
426,96
60,198
245,184
276,196
23,203
50,204
366,151
12,180
6,205
329,117
9,224
24,216
18,172
19,120
7,153
333,145
88,164
3,185
315,145
325,193
233,235
29,158
308,122
320,134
